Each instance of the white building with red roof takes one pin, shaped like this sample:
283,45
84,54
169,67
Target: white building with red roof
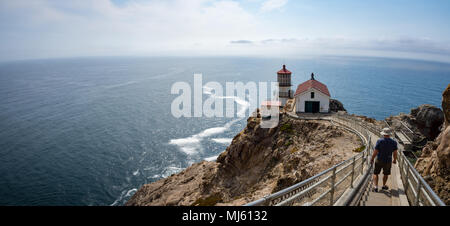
312,96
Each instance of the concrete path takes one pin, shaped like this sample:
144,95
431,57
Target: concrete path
395,195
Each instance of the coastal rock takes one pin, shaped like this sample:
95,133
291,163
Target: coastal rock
446,105
258,162
434,163
336,106
428,119
425,120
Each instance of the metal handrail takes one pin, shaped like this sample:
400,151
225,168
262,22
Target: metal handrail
297,192
410,177
414,193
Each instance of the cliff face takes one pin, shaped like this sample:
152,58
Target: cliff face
434,164
257,163
426,121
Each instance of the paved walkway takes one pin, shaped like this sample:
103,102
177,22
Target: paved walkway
395,196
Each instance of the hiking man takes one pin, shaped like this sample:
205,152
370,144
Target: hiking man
384,149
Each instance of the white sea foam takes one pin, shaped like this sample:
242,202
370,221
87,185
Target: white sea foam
171,170
121,84
212,159
244,105
135,173
124,196
192,145
222,140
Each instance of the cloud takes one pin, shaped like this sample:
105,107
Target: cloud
405,47
71,28
53,28
241,42
271,5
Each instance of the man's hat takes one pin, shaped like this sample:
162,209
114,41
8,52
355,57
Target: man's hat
386,132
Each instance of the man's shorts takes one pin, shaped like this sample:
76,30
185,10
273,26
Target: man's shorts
386,166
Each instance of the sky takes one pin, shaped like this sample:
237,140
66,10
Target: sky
32,29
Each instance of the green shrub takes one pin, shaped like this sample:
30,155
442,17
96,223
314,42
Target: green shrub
360,149
286,128
209,201
288,143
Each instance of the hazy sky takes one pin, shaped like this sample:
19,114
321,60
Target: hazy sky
281,28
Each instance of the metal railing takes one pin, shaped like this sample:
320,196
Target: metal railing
419,193
328,186
417,190
404,130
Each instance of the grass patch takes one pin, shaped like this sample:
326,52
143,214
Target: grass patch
210,201
360,149
289,143
287,128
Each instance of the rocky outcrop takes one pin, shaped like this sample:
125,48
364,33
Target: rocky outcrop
434,163
425,120
428,120
446,105
336,106
258,162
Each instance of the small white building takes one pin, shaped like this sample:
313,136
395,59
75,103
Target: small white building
312,96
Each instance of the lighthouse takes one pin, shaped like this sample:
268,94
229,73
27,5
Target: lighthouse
284,85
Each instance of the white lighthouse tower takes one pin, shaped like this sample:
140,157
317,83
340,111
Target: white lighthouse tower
284,85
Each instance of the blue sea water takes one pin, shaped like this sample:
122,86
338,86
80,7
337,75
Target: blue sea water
91,131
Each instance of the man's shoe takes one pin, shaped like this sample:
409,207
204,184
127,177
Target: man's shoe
375,189
385,187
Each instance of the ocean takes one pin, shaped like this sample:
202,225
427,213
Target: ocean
91,131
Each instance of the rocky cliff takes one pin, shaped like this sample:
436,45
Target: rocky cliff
434,163
336,106
257,163
426,121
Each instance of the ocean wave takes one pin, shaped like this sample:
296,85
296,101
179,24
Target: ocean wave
244,105
170,170
212,159
124,196
192,145
222,140
121,84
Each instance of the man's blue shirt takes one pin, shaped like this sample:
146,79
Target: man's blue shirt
385,147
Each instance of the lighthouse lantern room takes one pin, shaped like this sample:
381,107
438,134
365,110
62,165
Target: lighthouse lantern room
284,85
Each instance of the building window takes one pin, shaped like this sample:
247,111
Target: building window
312,95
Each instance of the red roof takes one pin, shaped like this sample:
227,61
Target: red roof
312,84
284,71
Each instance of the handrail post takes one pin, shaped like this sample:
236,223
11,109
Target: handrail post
407,175
363,161
333,179
353,171
419,187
